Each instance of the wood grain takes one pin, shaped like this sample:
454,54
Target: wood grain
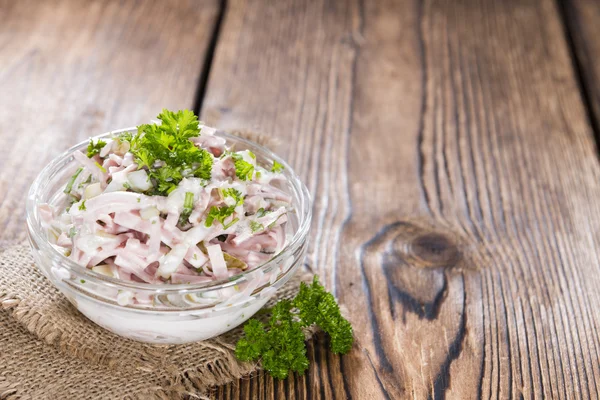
455,183
70,69
580,19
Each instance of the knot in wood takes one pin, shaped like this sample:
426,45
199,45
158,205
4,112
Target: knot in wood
428,250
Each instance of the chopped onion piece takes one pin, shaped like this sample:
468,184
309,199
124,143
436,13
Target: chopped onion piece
217,261
92,190
149,213
139,181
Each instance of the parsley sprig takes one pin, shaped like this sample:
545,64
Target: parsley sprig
166,151
282,348
94,148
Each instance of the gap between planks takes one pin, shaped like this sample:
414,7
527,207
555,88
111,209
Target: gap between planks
208,60
568,19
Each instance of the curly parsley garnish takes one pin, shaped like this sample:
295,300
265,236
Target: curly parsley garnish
166,151
282,348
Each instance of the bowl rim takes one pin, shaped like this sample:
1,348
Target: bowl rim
37,235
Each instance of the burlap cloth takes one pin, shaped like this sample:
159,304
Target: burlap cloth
48,350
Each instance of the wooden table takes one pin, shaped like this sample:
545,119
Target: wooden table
449,147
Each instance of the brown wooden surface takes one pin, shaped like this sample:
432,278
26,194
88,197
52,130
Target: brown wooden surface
446,145
418,125
581,20
71,69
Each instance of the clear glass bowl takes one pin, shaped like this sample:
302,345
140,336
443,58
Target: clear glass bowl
169,313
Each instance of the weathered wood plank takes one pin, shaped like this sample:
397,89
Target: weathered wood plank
70,69
455,186
581,23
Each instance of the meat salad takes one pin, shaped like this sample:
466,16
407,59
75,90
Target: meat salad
170,203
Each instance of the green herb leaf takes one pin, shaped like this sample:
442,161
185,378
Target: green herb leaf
261,212
219,214
282,346
169,143
256,226
69,186
277,167
253,344
100,167
82,206
234,194
233,221
88,180
223,212
243,169
94,148
188,206
203,168
317,306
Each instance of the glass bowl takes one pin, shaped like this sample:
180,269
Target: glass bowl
168,313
